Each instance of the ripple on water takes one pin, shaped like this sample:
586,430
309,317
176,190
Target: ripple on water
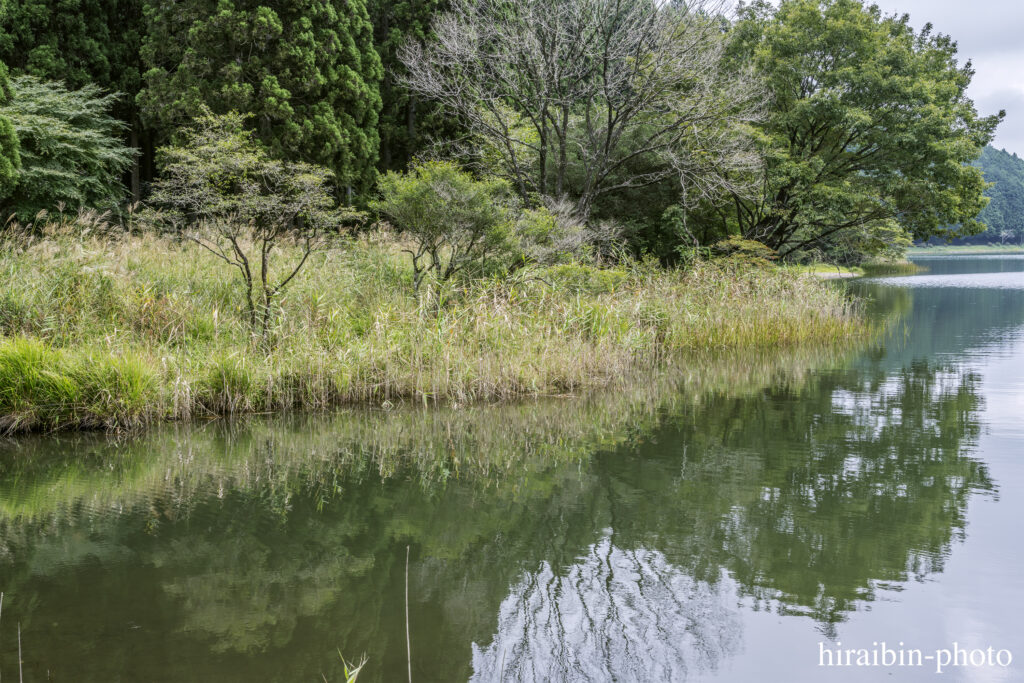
999,280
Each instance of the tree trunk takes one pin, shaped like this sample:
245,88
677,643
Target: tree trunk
410,125
563,154
136,165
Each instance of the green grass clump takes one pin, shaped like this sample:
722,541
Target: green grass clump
43,387
117,332
892,268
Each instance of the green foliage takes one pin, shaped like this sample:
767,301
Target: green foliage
10,158
304,70
743,251
78,42
452,219
580,277
72,156
407,122
880,241
869,121
1004,215
227,195
556,234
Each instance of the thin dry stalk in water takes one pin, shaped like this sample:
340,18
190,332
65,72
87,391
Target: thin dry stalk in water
408,642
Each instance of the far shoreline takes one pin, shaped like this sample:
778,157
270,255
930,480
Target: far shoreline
965,250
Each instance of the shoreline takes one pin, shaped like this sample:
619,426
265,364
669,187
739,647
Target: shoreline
964,250
117,334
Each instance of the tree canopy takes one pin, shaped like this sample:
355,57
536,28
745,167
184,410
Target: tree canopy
868,124
820,127
71,149
78,42
589,97
305,71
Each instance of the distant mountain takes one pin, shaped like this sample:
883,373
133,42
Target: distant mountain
1004,215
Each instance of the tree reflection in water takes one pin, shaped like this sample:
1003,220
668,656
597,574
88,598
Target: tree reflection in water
622,615
618,537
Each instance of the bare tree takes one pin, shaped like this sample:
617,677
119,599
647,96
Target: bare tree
221,191
587,97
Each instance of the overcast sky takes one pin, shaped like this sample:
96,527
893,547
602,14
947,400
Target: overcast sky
991,34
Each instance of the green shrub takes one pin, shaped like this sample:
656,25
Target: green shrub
556,234
453,221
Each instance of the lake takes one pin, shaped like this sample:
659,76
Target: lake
732,519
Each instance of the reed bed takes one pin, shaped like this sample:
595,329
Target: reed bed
886,268
116,332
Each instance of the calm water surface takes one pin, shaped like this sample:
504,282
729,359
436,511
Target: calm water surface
720,523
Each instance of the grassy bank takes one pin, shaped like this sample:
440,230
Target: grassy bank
44,480
119,332
965,249
830,271
825,270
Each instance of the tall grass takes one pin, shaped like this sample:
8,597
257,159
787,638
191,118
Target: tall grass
885,268
114,332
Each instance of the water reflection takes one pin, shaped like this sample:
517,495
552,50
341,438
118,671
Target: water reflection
617,537
615,614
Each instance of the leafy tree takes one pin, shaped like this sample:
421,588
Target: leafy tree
451,219
72,154
80,43
868,122
10,159
304,70
587,98
223,191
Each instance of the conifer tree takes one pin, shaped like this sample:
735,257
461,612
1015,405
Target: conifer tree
78,42
304,72
407,123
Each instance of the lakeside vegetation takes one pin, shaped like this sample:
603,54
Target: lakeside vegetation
464,201
501,447
120,331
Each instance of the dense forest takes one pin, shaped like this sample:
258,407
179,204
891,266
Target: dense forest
766,123
257,204
1004,216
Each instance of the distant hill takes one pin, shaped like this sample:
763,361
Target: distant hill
1004,215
